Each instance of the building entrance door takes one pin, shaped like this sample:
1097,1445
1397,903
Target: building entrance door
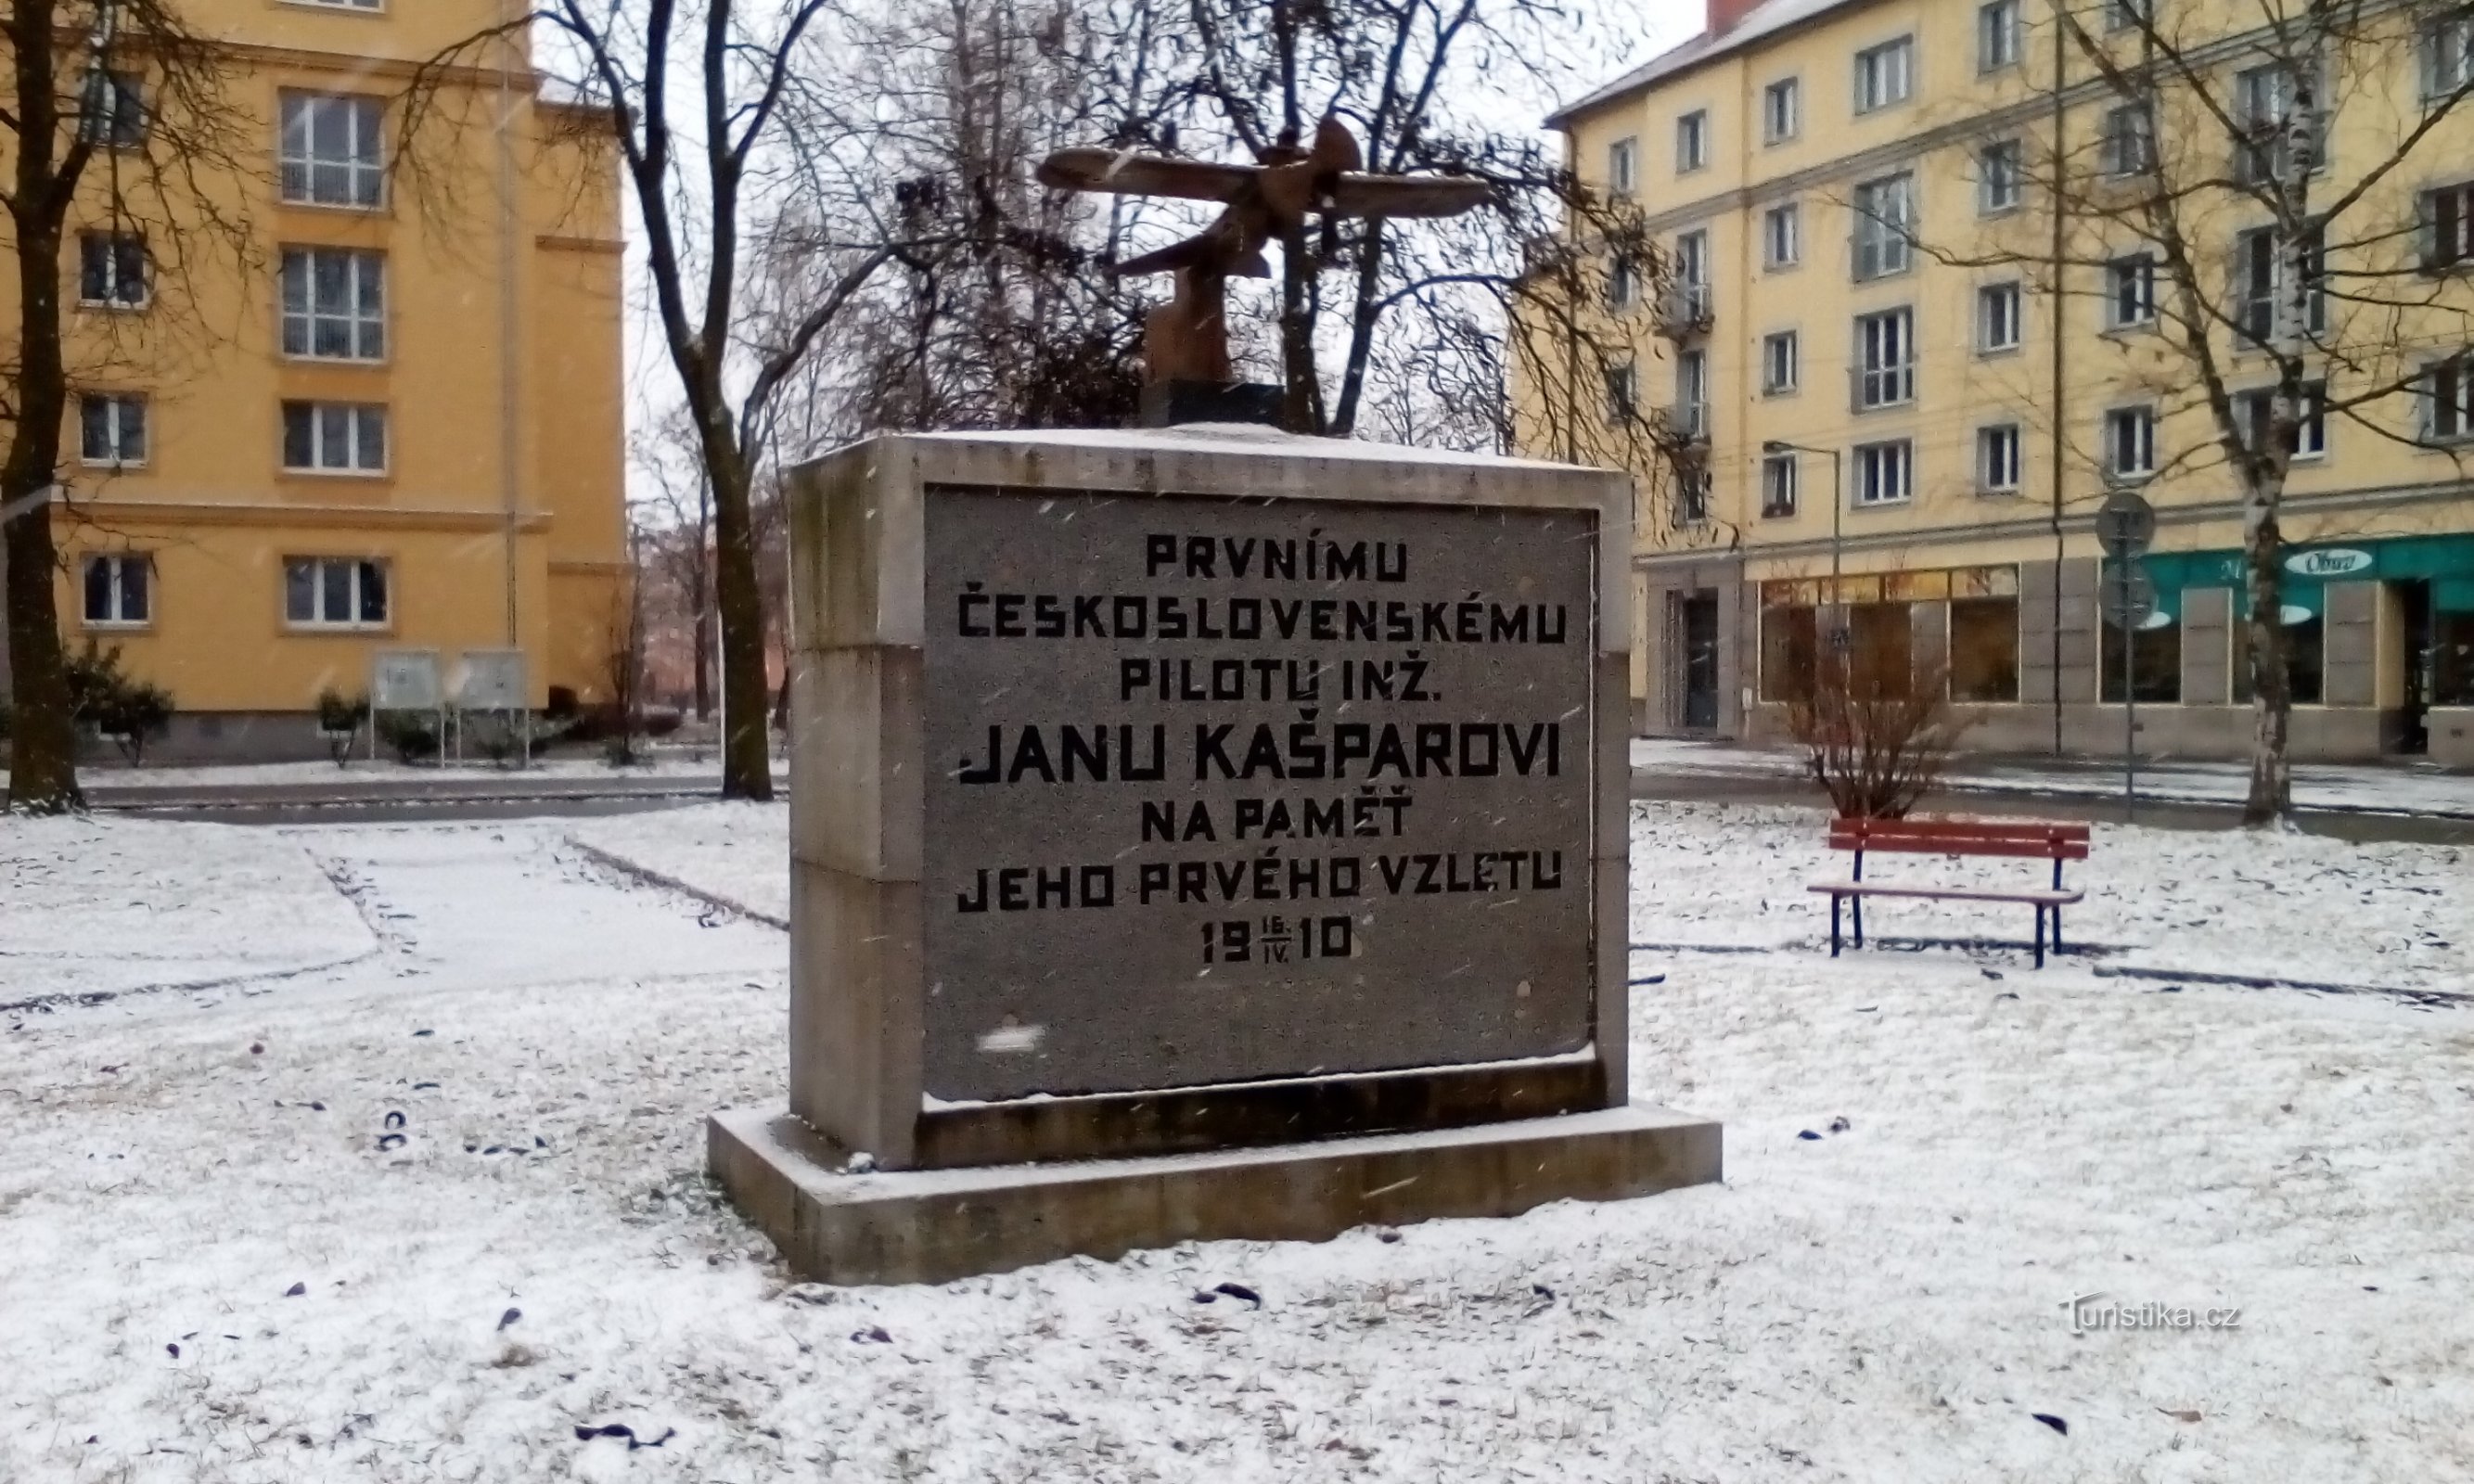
1700,662
2413,610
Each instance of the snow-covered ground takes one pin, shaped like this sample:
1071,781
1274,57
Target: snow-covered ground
476,1154
2401,788
685,761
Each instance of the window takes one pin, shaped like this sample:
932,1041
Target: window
1881,638
334,303
1996,459
112,112
111,428
344,5
1996,177
1884,74
2257,272
1692,142
112,269
2304,650
1885,366
2265,101
1997,317
2124,15
119,590
332,154
2448,399
2452,659
1782,111
2448,56
2127,145
2130,292
2130,442
1884,472
1997,36
2154,654
1692,277
1884,215
1790,647
1778,486
1693,394
1782,236
1779,367
1691,494
334,437
2309,432
1623,167
1623,282
1984,648
2447,226
334,592
1623,394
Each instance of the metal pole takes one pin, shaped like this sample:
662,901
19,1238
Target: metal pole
2129,696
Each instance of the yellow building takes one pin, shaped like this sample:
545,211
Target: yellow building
1898,347
394,422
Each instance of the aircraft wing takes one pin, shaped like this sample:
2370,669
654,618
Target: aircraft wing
1144,175
1400,195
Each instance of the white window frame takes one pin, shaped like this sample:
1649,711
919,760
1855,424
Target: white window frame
2121,15
300,121
1886,75
1883,244
1885,358
1693,489
326,421
2142,266
2255,305
117,408
1781,352
2000,458
1782,227
1622,394
1693,393
1691,140
361,322
1781,474
2127,145
2000,164
2259,153
2130,442
111,108
1623,166
1997,36
1884,472
1991,321
1623,282
2446,250
1782,111
110,245
2310,435
355,595
116,566
2447,56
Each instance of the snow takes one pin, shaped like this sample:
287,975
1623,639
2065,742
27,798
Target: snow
100,906
663,763
2394,788
1882,1303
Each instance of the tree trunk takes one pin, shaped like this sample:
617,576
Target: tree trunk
746,756
1299,412
42,746
2272,768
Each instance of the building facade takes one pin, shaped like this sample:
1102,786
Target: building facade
1892,344
386,414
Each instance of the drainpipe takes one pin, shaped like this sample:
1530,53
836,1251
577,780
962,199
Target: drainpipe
508,442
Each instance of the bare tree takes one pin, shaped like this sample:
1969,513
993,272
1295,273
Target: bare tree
2199,191
746,138
677,553
120,122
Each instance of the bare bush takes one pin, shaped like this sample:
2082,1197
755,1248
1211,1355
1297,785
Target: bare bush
1876,729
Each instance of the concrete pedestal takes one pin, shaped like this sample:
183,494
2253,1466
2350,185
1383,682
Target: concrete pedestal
933,1225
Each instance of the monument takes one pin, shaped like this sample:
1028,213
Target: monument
1199,832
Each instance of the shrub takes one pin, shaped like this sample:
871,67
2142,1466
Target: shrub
1876,728
129,711
339,721
412,736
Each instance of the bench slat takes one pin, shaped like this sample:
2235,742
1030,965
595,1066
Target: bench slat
2031,896
2041,849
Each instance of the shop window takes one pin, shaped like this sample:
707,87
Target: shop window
1880,648
2303,654
2452,659
1984,649
2155,667
1789,645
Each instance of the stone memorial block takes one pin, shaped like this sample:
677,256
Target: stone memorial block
1199,791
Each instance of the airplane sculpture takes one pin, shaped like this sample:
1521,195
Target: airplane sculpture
1187,338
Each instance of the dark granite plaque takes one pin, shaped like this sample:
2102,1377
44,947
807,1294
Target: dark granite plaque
1227,789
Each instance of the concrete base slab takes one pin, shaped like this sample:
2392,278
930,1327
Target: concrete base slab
933,1225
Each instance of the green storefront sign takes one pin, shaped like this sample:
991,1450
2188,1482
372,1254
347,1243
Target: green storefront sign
2445,562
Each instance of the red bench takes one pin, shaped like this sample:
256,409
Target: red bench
2055,842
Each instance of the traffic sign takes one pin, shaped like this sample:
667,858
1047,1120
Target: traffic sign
2128,596
2124,525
